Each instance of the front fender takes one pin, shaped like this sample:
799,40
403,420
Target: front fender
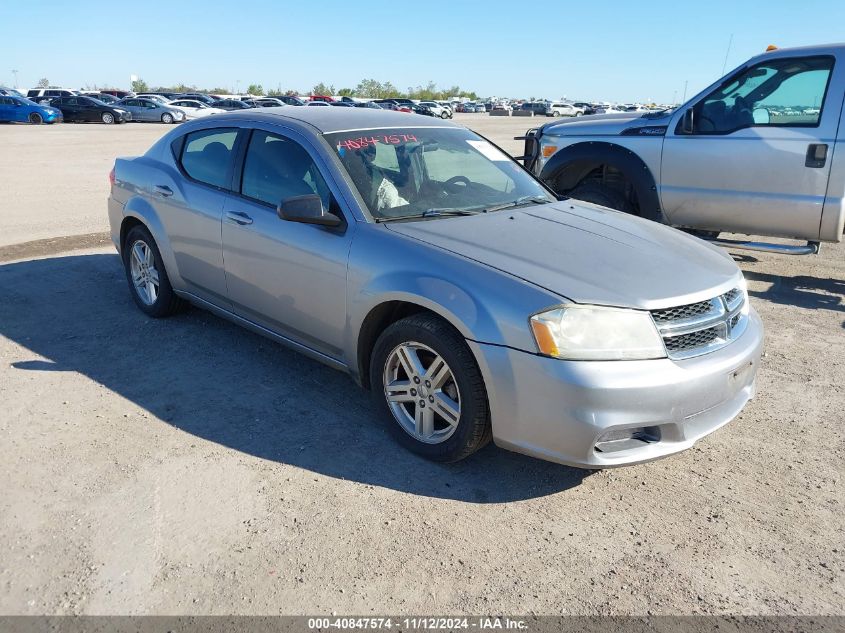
569,165
483,304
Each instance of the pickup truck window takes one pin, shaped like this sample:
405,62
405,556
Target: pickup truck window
783,92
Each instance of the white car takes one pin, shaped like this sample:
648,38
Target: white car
559,108
194,109
439,110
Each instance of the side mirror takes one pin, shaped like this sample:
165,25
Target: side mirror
761,116
687,122
308,210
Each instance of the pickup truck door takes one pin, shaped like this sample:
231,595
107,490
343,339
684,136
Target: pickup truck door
288,277
757,156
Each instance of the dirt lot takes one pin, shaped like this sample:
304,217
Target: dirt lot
188,466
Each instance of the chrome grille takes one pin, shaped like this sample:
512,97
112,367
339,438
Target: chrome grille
701,327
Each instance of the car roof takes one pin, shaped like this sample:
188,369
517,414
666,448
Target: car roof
327,120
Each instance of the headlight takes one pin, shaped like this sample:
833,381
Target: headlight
119,111
597,333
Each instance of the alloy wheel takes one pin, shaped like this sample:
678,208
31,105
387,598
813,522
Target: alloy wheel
422,393
144,273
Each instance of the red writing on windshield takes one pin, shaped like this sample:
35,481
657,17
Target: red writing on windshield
366,141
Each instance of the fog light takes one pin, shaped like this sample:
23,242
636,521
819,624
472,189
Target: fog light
626,439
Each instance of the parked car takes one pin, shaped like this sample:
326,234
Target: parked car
539,108
560,108
231,104
154,97
722,161
441,275
392,104
343,104
10,92
288,99
45,95
14,109
323,98
195,109
319,103
87,109
105,98
269,102
199,96
418,108
439,110
502,107
120,94
369,104
586,108
151,111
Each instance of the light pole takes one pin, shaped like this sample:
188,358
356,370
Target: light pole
15,73
237,86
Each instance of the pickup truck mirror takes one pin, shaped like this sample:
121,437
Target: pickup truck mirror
687,122
761,116
307,209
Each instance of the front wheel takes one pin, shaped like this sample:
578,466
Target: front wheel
425,379
167,118
146,275
108,118
444,115
36,119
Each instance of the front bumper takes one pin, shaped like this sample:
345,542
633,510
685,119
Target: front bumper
558,410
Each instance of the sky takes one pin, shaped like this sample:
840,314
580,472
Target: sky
618,51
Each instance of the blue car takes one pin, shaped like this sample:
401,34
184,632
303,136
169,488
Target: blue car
22,110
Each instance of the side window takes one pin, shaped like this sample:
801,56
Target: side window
277,168
780,93
207,155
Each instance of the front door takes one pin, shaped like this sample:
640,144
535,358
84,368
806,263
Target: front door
758,157
286,276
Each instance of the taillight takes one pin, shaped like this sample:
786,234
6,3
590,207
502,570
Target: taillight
111,177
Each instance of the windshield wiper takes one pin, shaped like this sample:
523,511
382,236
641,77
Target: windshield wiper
430,213
517,203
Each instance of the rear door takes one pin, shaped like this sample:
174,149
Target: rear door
758,159
190,206
286,276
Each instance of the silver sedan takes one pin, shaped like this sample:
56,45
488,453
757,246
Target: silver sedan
150,110
422,260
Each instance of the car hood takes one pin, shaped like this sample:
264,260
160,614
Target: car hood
586,253
604,124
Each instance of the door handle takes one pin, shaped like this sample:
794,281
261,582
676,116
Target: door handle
816,155
163,190
238,217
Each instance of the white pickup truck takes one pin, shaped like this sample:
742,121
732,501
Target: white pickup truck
754,153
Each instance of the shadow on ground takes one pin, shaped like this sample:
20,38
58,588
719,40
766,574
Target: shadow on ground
221,383
803,291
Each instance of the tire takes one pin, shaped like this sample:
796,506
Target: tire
36,119
595,193
108,118
444,115
555,114
431,340
167,118
139,246
703,233
578,113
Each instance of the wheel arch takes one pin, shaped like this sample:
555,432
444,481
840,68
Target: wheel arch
570,165
138,212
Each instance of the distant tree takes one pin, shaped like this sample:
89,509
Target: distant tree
219,91
255,89
43,82
346,92
139,85
322,89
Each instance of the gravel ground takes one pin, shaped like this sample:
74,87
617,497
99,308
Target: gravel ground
188,466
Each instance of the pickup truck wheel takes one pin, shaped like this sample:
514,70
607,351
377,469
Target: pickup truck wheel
595,193
426,380
146,275
35,119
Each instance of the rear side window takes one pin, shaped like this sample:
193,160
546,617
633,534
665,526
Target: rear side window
207,155
32,93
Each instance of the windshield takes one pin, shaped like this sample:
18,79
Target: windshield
409,172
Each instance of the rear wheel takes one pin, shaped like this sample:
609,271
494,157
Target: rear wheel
146,275
108,118
36,119
167,118
426,380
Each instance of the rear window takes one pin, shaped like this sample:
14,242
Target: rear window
207,155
